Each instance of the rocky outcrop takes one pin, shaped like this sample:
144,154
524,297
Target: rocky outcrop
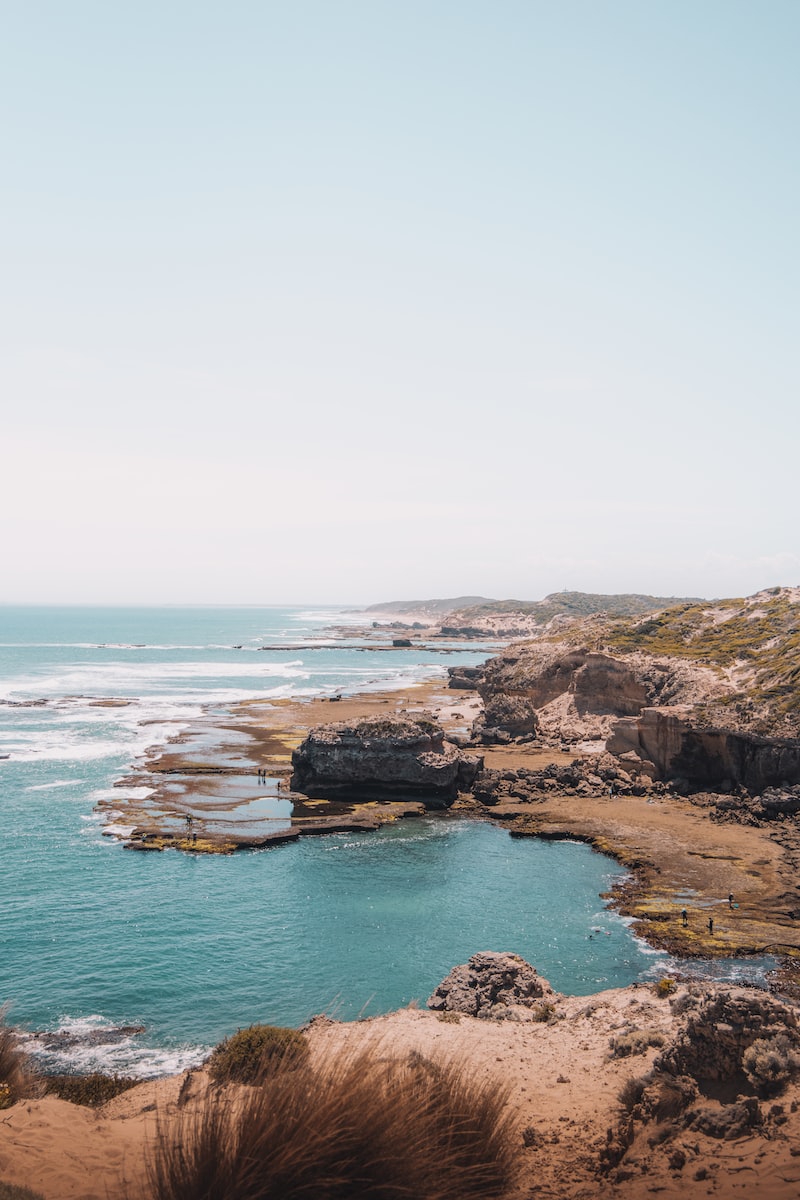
495,986
592,775
383,759
463,677
720,1028
581,694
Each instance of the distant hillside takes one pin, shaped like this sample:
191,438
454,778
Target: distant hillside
573,604
430,608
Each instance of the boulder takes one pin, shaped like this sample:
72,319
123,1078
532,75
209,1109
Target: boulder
389,758
512,716
463,677
494,986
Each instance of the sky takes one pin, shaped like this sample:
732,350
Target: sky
341,301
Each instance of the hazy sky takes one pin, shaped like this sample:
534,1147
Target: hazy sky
354,300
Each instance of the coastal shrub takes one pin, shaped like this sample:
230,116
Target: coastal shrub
635,1041
17,1077
770,1063
250,1053
89,1090
665,987
360,1126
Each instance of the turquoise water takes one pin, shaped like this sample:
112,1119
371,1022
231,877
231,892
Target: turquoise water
94,936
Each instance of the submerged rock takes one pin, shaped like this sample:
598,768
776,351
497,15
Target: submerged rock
495,986
381,759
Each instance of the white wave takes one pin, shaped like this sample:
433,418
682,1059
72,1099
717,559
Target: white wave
130,1056
58,783
121,793
68,752
121,831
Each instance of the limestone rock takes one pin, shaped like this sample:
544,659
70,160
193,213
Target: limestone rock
379,759
494,986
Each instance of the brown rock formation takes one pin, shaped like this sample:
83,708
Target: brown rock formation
383,758
495,987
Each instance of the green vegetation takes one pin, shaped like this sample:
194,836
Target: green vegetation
249,1054
360,1126
665,987
89,1090
572,604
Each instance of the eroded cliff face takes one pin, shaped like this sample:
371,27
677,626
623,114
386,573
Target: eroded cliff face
391,758
680,749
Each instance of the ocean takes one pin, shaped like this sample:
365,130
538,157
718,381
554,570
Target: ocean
189,948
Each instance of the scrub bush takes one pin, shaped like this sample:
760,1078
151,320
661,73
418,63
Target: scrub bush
635,1041
250,1053
770,1063
89,1090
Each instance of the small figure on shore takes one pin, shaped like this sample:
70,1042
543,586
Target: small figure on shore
711,925
684,917
730,900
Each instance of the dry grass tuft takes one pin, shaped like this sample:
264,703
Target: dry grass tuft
359,1127
770,1064
17,1077
634,1041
